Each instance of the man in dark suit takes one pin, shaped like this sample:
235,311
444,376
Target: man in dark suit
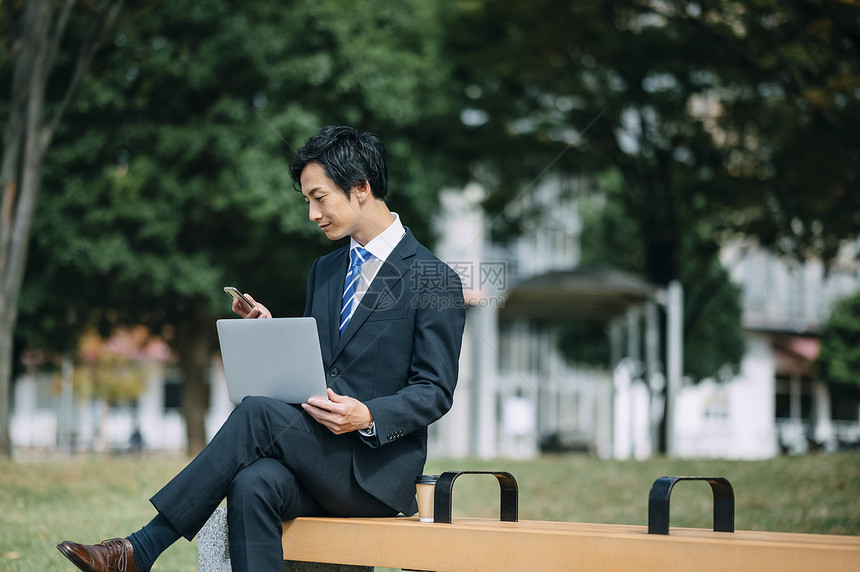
390,317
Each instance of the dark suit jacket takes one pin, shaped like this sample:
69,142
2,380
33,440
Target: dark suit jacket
399,356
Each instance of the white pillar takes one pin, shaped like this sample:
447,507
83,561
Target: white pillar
622,420
485,388
675,356
824,433
65,419
654,373
634,354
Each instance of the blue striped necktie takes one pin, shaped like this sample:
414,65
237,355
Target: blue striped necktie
357,257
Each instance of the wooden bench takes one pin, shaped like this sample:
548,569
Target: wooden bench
359,544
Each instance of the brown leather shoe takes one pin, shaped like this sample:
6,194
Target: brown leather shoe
114,555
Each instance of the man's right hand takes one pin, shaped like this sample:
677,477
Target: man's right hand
257,311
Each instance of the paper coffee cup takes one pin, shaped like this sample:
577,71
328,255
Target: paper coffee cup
425,485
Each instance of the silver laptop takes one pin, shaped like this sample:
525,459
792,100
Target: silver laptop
278,358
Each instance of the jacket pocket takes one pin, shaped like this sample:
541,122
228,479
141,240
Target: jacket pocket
380,315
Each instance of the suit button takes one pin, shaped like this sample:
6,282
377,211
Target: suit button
333,372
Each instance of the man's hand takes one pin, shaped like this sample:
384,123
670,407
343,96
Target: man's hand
257,311
340,415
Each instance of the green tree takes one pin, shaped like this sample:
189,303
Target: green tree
713,342
718,118
34,46
733,114
839,358
171,172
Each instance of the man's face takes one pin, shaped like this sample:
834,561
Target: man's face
334,212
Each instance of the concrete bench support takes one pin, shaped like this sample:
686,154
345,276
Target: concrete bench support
214,554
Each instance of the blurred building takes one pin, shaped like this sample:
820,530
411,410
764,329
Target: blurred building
518,396
776,404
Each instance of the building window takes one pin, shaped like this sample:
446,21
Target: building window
793,397
172,395
844,403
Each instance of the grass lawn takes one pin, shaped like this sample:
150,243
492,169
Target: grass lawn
91,498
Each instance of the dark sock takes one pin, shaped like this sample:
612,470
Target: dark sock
151,540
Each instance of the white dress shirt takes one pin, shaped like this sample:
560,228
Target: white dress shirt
380,249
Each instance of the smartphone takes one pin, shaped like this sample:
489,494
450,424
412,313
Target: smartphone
236,295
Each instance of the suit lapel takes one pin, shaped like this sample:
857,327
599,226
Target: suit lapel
385,289
332,290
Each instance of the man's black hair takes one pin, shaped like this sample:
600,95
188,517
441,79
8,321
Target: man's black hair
348,156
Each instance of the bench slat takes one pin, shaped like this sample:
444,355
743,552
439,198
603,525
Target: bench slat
484,544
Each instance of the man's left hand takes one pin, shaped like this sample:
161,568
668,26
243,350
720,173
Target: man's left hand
342,414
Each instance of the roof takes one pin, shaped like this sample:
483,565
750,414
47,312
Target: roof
597,294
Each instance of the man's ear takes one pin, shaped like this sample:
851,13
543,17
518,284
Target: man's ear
363,191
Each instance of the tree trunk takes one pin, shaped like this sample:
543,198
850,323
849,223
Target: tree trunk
6,356
24,147
194,345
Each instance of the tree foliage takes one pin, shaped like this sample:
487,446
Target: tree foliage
113,371
169,179
170,174
736,114
708,119
713,341
839,358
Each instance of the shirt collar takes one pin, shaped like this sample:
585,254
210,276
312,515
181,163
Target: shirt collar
384,243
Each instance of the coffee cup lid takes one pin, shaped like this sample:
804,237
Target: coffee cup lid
426,479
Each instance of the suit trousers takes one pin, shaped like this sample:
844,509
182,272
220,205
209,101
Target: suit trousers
272,462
